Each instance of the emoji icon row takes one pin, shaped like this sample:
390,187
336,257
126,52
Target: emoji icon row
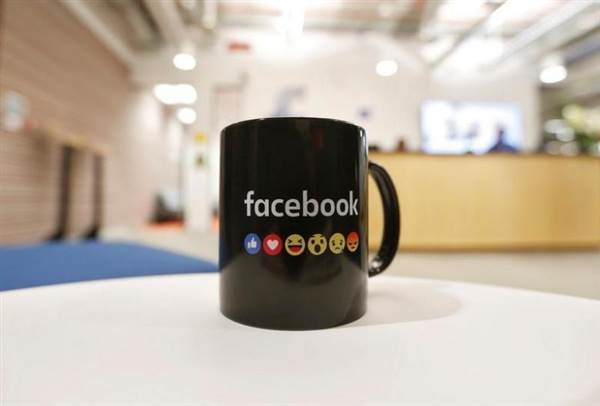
295,244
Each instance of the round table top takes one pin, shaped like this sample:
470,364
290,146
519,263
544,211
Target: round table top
163,340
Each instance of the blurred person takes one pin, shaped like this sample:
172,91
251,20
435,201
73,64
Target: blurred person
501,145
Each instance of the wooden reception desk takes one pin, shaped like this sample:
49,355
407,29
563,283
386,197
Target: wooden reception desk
492,202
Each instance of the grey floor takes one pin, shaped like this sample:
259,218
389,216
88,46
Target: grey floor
570,273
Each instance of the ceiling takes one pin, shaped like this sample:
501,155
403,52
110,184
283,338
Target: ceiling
487,33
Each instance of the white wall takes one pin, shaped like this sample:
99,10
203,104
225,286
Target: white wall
341,85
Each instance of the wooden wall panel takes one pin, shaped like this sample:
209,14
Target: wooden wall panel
490,202
73,84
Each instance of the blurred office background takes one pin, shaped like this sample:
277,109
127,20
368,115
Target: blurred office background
486,112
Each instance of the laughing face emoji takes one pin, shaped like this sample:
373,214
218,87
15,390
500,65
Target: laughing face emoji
294,244
352,241
317,244
336,243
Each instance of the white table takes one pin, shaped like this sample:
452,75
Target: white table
162,339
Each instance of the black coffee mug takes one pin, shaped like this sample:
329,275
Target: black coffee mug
293,222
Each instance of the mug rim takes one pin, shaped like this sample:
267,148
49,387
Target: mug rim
265,119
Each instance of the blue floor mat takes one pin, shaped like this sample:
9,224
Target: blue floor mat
53,263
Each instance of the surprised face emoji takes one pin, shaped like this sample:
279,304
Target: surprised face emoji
294,244
317,244
336,243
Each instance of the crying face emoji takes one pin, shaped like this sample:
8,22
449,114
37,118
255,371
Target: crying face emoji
336,243
294,244
352,241
317,244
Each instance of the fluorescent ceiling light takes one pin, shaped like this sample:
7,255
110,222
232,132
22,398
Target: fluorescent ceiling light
175,94
459,10
291,21
518,11
386,67
436,48
186,115
553,74
477,51
184,61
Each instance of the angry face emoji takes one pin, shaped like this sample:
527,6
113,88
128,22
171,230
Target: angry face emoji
336,243
352,241
317,244
294,244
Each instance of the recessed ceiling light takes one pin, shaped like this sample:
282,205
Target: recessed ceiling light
186,115
184,61
386,67
175,94
553,74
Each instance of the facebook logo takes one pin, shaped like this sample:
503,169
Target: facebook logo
252,243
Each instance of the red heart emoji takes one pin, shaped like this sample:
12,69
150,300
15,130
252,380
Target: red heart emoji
272,244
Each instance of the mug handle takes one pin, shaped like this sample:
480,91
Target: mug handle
391,220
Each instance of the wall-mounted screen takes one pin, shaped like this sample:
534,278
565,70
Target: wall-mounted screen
449,127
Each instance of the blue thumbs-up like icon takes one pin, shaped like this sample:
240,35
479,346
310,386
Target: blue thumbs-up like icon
252,243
